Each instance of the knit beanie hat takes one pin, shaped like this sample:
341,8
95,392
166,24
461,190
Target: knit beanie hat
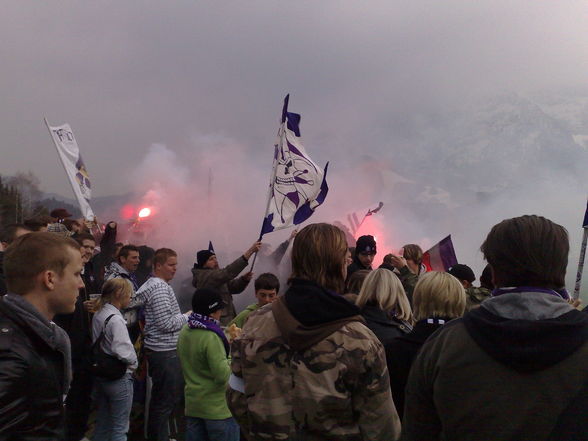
202,257
365,245
206,301
462,272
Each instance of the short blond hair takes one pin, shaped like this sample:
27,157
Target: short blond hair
382,287
113,287
438,294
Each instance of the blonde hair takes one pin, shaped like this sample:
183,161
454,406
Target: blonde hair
438,294
318,255
383,287
113,287
413,252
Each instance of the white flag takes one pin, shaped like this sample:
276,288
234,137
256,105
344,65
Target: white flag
297,185
70,156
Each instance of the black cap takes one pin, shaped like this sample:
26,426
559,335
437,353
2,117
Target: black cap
60,213
202,257
462,272
365,245
206,301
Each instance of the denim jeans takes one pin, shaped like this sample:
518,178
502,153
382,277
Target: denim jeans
167,392
199,429
114,400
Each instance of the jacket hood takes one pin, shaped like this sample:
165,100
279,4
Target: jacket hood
307,314
527,331
373,314
196,270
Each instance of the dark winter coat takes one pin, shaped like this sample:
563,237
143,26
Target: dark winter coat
225,282
78,328
401,352
31,382
385,327
510,369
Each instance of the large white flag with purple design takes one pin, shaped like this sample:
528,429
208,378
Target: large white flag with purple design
297,185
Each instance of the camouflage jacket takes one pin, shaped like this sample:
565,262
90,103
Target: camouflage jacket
475,296
334,386
409,280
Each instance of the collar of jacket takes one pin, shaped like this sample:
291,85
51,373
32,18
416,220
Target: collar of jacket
300,337
27,316
374,314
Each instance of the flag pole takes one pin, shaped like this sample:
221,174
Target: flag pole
581,265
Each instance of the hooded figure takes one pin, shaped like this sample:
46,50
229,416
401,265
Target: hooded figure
207,274
514,368
310,355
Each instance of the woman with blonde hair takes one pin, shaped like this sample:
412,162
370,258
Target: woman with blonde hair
384,305
114,397
438,298
310,357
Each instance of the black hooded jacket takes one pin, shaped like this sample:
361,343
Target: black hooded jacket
510,370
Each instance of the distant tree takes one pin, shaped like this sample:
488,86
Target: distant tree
9,203
20,198
27,186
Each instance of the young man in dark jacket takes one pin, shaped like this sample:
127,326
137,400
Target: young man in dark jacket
35,353
208,274
365,251
514,368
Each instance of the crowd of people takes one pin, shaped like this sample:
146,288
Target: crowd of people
344,351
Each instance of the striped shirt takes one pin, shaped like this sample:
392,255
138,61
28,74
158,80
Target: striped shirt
163,318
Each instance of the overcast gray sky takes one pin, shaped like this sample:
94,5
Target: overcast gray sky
129,74
206,80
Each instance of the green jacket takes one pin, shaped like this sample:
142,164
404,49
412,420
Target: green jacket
242,316
206,370
408,280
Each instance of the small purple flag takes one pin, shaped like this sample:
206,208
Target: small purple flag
440,257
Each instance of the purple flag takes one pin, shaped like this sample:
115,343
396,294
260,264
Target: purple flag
440,257
297,185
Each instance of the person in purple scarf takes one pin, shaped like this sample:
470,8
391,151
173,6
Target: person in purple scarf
204,354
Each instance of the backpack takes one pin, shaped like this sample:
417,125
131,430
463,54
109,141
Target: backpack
104,365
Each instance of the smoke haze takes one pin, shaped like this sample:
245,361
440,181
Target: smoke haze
455,114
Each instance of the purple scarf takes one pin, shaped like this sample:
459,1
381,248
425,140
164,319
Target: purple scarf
199,321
